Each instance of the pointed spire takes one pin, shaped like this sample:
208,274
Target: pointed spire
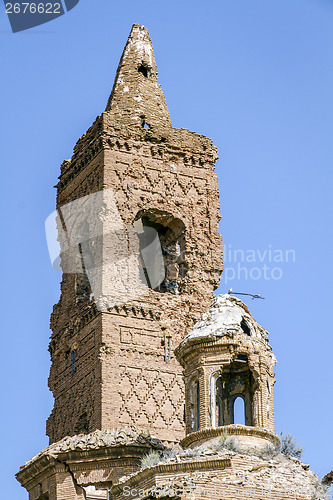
137,99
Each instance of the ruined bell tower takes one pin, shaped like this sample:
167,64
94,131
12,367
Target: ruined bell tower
143,357
114,366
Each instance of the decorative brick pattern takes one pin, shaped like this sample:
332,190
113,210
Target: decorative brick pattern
151,397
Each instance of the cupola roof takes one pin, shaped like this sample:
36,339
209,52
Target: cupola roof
228,315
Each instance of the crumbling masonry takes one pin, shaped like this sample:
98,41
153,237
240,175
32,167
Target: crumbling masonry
163,370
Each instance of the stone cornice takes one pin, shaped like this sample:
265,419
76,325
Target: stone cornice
205,345
104,134
233,429
99,445
44,466
149,472
99,458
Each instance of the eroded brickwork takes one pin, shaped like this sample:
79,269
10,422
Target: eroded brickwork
222,475
164,176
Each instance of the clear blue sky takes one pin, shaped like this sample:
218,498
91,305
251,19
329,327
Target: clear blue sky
255,76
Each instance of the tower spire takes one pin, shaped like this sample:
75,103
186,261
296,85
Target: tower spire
136,98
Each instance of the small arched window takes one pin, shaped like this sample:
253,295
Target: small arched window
245,327
238,411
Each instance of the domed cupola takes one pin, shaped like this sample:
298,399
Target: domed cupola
228,370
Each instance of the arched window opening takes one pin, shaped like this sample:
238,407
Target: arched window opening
238,411
268,387
195,406
162,250
234,392
245,327
219,401
198,405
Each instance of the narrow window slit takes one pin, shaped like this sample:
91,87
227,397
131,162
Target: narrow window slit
167,348
73,356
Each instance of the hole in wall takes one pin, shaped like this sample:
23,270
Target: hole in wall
242,358
170,264
144,124
144,70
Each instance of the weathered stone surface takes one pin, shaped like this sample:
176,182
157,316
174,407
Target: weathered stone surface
224,318
165,175
136,95
222,474
99,458
115,437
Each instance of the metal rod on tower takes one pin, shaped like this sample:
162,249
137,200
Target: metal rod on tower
254,296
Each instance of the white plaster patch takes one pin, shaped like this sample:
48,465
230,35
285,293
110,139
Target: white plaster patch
224,317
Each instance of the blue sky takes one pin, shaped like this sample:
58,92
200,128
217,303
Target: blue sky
255,76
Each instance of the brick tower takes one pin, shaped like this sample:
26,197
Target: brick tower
114,367
125,372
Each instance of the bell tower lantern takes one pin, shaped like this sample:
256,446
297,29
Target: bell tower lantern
228,367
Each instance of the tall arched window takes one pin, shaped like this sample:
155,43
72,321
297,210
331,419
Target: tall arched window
219,402
164,272
195,406
231,394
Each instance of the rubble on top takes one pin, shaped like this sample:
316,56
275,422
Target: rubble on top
97,439
225,317
260,467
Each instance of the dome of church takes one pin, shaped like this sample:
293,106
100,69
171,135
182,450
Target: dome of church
228,316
